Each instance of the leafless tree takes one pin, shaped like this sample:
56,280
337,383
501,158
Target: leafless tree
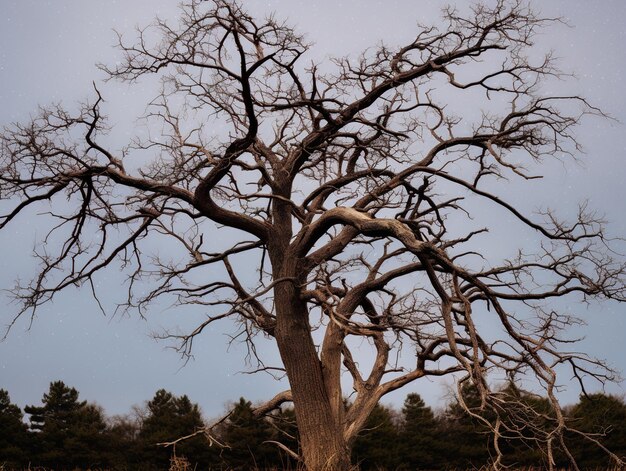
345,190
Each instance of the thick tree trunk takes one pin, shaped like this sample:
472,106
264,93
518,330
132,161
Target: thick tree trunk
323,446
321,431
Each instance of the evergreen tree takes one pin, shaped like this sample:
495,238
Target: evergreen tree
247,436
605,417
68,433
87,444
469,438
418,435
526,421
376,444
124,451
59,406
286,431
169,418
13,438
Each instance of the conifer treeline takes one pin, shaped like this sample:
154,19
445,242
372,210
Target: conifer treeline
66,433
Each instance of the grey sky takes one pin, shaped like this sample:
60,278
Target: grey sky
48,52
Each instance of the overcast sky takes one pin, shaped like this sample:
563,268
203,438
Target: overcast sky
48,52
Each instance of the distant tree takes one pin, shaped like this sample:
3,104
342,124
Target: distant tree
286,430
247,436
89,438
376,446
168,418
467,437
353,192
68,432
60,404
419,435
526,419
13,437
604,418
509,429
124,451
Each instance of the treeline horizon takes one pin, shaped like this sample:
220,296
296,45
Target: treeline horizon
65,433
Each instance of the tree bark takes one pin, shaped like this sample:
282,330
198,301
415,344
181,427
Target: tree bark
321,431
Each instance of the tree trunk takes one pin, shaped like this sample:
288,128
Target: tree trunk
321,433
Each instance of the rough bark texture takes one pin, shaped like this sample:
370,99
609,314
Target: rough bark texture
321,432
322,442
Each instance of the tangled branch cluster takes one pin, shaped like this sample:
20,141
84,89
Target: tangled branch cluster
339,189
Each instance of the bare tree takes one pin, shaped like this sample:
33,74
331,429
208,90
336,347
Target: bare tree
344,190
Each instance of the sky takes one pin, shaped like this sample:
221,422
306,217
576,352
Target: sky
48,52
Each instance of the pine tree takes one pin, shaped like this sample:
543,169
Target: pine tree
169,418
246,435
605,416
376,444
87,443
418,435
67,432
526,421
467,440
284,422
124,450
13,438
